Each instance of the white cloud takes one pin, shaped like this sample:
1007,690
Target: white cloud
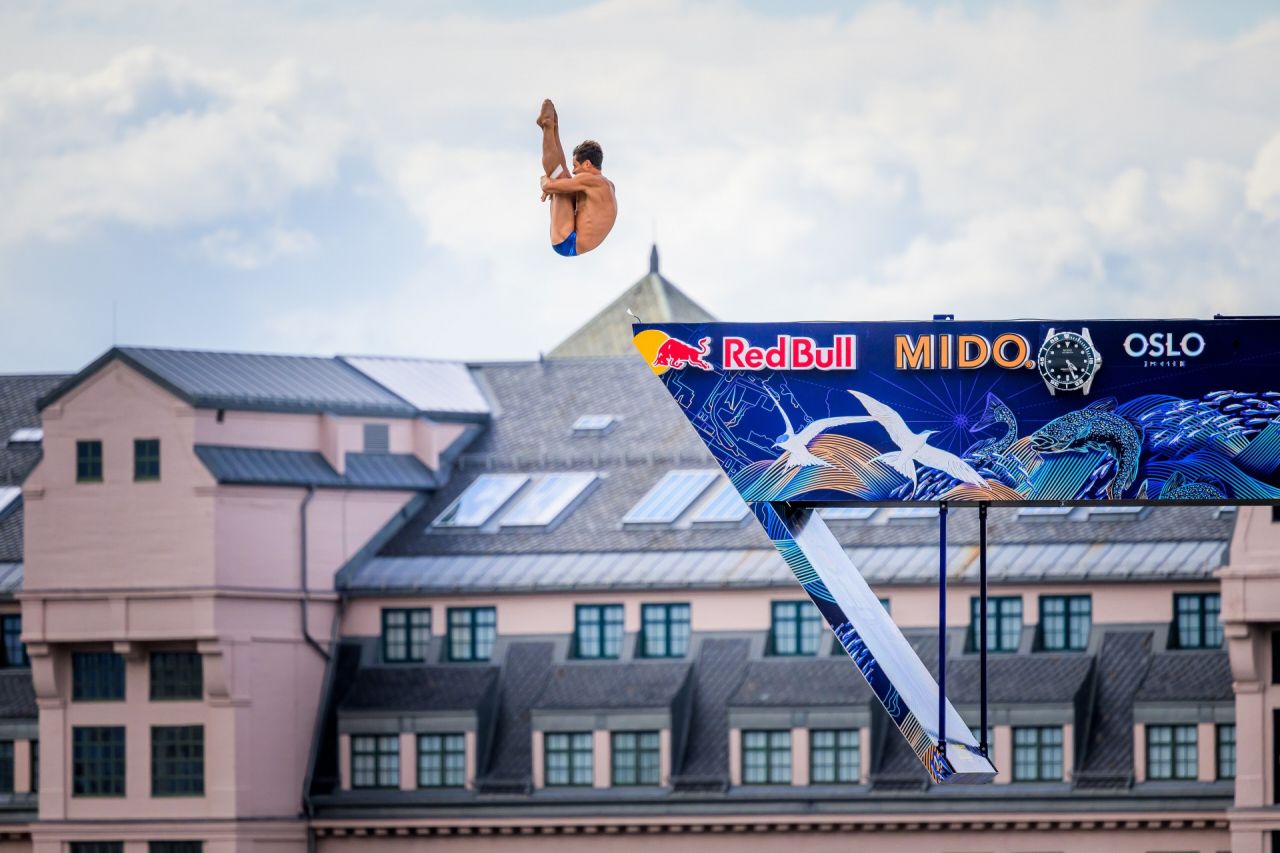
240,251
1264,180
152,141
1078,159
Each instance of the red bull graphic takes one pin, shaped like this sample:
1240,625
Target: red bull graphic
664,352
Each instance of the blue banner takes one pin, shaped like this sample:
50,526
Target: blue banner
1015,412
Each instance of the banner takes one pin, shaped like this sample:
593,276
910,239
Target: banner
1010,412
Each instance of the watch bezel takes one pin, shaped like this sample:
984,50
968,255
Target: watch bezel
1087,375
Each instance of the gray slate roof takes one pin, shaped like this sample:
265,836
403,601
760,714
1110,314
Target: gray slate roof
420,688
800,682
608,332
232,380
17,695
442,389
1187,676
525,673
260,467
18,398
720,668
537,403
740,568
1108,752
1050,679
608,685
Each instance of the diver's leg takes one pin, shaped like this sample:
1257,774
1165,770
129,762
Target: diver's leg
552,151
563,207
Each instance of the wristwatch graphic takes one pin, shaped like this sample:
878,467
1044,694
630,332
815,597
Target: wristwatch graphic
1068,361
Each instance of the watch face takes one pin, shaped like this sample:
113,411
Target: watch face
1067,361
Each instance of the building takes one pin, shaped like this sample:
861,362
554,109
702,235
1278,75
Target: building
295,603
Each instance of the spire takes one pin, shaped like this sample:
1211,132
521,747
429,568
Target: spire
653,260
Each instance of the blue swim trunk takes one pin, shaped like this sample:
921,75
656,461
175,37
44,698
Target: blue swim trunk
569,247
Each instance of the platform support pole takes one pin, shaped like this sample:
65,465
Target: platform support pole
982,623
942,628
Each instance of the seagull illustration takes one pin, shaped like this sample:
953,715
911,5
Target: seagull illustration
914,448
797,444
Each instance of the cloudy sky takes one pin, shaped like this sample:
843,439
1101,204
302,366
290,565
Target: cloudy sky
309,177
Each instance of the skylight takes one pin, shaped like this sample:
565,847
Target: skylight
547,499
847,513
666,501
481,500
594,424
8,494
27,435
725,506
1115,511
914,512
1043,511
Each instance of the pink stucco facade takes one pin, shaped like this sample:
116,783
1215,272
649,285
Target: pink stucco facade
183,563
186,563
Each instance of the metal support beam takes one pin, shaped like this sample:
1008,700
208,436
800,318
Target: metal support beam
982,624
942,628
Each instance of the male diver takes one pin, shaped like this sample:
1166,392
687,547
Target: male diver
583,206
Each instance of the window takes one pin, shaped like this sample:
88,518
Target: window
442,761
146,459
725,507
35,766
1171,752
176,676
1196,624
976,731
1037,754
912,512
1064,622
847,513
1004,623
547,500
377,438
834,756
598,631
15,651
637,758
668,500
175,847
481,500
568,758
375,761
1044,511
1226,751
96,846
177,761
8,496
6,767
88,461
664,630
594,425
766,757
1114,512
405,634
26,435
97,761
796,628
97,676
471,633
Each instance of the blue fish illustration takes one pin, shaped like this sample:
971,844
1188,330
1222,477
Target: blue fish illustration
1096,427
1179,488
996,413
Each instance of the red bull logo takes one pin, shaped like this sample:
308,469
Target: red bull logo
792,353
664,352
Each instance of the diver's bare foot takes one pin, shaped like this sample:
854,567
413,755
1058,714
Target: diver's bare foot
547,116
